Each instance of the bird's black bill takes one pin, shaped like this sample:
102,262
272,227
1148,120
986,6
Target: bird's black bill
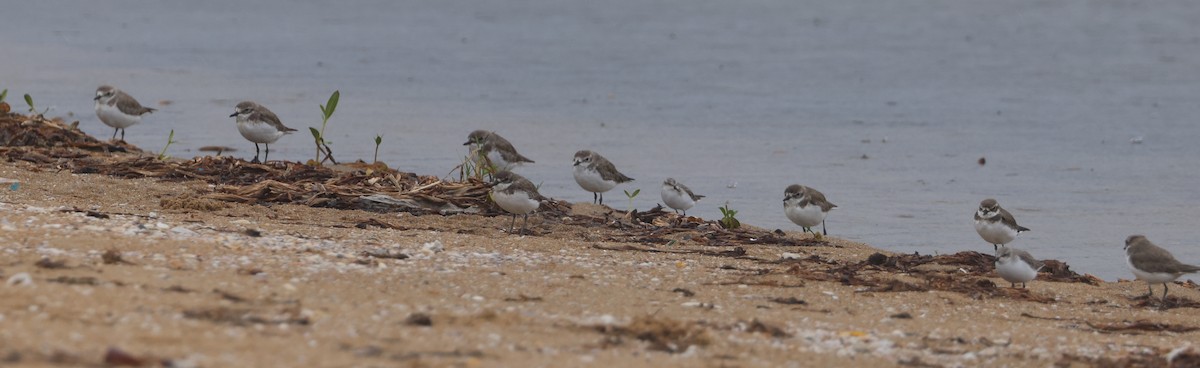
233,114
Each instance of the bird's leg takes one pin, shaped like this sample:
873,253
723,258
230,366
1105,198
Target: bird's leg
594,198
255,153
823,231
601,199
525,224
115,134
1164,292
512,224
122,134
268,155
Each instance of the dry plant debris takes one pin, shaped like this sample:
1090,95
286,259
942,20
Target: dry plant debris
662,334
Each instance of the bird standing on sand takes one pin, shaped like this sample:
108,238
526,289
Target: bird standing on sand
515,194
596,174
118,109
995,225
496,150
678,196
1153,264
806,207
1015,265
259,125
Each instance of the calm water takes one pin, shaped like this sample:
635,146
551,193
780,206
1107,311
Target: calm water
758,93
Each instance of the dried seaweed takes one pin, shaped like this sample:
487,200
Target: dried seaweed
82,280
1139,326
736,252
36,131
757,326
245,316
661,334
1133,360
1171,302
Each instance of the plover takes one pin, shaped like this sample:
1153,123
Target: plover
495,149
806,207
515,194
678,196
995,225
1153,264
259,125
118,109
596,174
1015,265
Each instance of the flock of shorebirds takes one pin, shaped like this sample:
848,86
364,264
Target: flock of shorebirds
804,206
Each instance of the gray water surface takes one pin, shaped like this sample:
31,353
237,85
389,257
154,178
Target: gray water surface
885,106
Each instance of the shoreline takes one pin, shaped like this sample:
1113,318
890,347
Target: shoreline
160,270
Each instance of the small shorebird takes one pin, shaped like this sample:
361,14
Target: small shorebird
259,125
497,151
806,207
515,194
1015,265
1153,264
678,196
596,174
995,225
118,109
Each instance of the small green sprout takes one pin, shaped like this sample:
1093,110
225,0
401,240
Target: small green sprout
32,108
170,139
728,220
631,196
378,141
319,135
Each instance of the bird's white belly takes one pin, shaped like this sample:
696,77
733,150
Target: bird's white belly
1151,277
518,202
111,116
259,132
1013,270
676,199
498,160
995,232
591,181
807,216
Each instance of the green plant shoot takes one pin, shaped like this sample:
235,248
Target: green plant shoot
378,141
728,220
631,195
170,139
319,136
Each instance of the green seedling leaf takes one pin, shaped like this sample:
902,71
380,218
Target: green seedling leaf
378,140
332,104
316,134
3,95
170,139
29,100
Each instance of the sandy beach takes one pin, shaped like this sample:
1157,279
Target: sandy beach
176,270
